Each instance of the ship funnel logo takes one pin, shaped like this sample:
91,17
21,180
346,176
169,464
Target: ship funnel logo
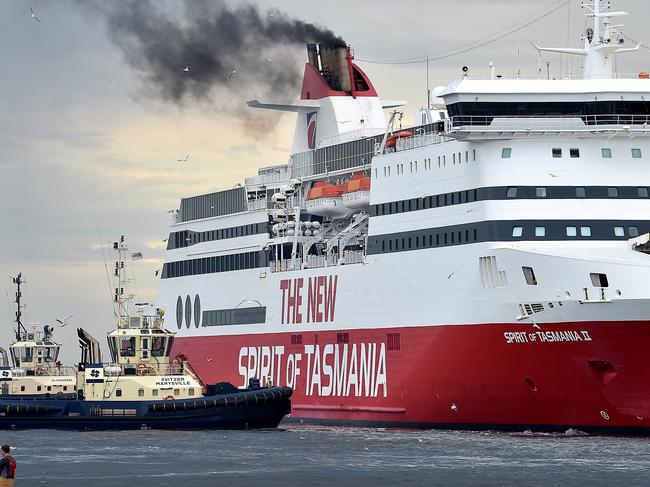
94,373
311,130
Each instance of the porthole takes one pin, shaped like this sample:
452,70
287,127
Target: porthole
179,312
197,311
188,311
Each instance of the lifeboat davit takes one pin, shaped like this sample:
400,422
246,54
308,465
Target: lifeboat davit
356,193
325,199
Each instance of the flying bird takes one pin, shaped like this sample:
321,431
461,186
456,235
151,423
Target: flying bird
157,272
34,17
535,325
449,276
552,175
64,321
233,72
187,68
269,60
183,160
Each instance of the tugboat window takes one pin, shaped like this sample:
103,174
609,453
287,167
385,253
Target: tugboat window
540,231
585,231
619,231
517,231
141,392
571,231
633,231
581,192
158,347
511,193
642,192
118,392
612,192
540,192
127,346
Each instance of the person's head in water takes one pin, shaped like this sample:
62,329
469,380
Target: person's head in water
5,449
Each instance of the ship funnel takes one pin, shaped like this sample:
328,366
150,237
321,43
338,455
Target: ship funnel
335,65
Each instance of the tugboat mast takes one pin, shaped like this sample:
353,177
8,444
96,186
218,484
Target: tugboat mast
18,281
120,299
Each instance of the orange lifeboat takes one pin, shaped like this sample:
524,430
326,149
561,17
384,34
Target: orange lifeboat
356,193
324,199
392,140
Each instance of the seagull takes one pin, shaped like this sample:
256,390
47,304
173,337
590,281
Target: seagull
34,15
535,325
187,68
113,82
64,321
183,160
551,174
157,272
449,276
209,359
454,408
269,60
234,71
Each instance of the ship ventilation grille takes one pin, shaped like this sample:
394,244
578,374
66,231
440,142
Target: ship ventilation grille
393,342
528,309
491,276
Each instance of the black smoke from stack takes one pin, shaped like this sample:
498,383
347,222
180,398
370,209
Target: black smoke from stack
213,38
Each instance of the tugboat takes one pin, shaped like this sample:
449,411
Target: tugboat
36,371
143,388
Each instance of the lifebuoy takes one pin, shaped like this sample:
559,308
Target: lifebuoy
40,371
142,368
168,398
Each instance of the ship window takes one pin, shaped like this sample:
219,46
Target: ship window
49,388
511,193
612,192
65,388
574,153
585,231
636,153
506,152
177,392
633,231
557,152
127,346
454,158
190,391
540,192
581,192
517,231
619,232
383,246
154,392
158,346
571,231
140,392
606,152
474,154
529,275
118,392
438,161
599,280
38,388
540,231
466,156
22,388
642,192
444,160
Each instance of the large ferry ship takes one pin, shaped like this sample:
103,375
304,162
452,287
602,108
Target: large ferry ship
486,268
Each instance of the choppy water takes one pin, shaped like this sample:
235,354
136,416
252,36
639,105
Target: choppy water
308,455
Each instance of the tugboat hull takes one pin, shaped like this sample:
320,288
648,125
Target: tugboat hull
261,408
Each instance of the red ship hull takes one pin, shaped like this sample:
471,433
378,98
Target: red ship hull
589,376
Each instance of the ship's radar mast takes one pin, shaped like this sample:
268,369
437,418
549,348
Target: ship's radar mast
20,328
601,42
120,299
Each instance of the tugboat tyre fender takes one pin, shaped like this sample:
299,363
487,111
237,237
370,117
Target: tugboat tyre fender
169,398
142,368
40,371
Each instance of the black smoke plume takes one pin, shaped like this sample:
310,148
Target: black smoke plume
210,51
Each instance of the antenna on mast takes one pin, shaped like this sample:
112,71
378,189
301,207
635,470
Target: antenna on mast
20,328
601,42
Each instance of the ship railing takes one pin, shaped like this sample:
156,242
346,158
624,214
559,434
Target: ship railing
611,124
259,204
44,370
353,257
418,140
276,174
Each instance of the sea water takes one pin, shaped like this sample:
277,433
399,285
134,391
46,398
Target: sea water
309,455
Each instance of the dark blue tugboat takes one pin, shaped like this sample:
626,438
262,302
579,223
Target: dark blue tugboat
141,389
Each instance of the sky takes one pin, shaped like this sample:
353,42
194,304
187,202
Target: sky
89,152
